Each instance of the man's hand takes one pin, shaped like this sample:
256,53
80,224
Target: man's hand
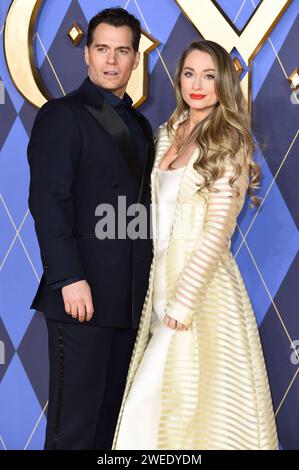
174,324
78,301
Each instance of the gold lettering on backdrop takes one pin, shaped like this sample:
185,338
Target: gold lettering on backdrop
212,25
18,49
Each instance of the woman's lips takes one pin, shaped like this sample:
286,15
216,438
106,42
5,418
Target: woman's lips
195,96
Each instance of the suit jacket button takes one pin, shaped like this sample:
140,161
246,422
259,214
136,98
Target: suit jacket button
115,185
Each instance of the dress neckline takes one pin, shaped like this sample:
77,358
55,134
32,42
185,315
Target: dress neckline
172,171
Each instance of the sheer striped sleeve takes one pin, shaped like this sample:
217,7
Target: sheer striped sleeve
222,210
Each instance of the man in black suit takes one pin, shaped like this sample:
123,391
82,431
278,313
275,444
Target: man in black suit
87,149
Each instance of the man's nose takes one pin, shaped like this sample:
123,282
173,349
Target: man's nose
111,59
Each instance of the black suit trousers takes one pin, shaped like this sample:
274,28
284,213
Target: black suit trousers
88,370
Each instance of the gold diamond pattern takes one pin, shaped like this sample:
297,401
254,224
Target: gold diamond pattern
75,34
294,79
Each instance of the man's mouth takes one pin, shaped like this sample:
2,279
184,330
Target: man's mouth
196,96
111,73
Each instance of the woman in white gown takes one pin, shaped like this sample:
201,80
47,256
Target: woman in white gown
197,377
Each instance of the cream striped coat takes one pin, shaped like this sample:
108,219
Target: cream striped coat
215,387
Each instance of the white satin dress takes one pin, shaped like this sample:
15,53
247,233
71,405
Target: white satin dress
139,424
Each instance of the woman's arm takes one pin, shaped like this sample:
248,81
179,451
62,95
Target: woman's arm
223,208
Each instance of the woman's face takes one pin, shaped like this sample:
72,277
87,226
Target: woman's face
198,82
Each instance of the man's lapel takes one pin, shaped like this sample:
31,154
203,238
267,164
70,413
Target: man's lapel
149,156
111,122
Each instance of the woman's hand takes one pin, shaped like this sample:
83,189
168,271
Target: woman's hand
174,324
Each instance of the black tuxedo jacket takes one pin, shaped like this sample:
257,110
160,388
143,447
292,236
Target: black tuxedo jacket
81,154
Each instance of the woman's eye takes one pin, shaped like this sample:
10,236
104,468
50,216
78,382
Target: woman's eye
188,74
210,77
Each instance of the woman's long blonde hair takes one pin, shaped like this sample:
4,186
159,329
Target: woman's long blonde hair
226,131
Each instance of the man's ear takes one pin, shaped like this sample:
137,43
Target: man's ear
136,60
86,55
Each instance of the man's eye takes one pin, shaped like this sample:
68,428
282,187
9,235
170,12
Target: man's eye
101,49
123,51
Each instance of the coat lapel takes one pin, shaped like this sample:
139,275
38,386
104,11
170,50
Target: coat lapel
189,182
111,122
149,156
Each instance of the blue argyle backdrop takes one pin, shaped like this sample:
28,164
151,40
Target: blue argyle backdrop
265,243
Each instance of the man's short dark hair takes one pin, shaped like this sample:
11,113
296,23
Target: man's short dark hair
115,17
